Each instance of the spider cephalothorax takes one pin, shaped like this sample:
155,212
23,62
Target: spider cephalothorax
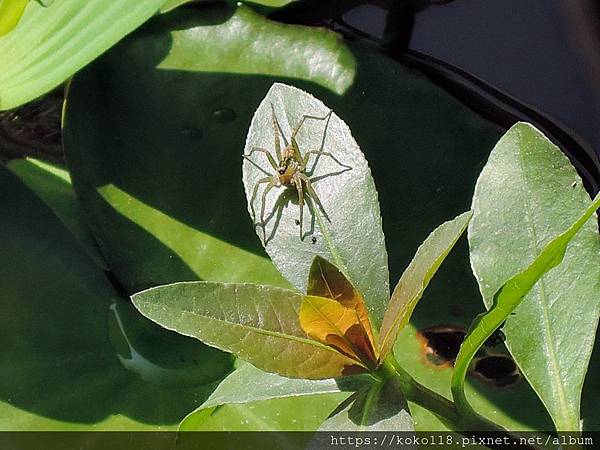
290,168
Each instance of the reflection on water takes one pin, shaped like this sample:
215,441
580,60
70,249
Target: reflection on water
224,115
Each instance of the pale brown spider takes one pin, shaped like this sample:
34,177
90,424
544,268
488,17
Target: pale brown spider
290,169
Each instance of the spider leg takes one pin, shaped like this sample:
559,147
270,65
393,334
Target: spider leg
254,192
296,149
271,185
266,152
313,195
276,133
297,129
298,184
321,153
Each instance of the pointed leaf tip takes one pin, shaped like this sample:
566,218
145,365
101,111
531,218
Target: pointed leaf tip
335,314
256,323
417,276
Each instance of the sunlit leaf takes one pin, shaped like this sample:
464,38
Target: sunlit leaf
527,207
343,184
417,276
49,44
303,413
257,323
265,386
10,14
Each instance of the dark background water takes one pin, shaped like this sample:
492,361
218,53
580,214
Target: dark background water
544,53
533,60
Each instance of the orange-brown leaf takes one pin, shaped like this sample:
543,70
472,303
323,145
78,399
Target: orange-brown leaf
331,323
325,280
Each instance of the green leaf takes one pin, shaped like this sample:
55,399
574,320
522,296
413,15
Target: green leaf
193,227
257,323
11,12
415,279
170,5
188,168
495,404
51,44
74,357
272,3
527,207
347,195
304,413
381,406
265,386
52,184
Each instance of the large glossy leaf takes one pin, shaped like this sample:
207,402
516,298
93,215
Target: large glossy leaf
257,323
52,184
51,43
154,233
527,194
343,185
417,276
74,357
380,406
171,108
265,386
303,413
272,3
170,5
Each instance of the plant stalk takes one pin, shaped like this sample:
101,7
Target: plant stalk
469,426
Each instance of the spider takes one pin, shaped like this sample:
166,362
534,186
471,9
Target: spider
290,168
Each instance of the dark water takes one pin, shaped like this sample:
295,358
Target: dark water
509,60
545,54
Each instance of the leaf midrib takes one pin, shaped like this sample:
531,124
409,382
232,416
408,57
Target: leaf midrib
335,327
276,334
552,360
370,403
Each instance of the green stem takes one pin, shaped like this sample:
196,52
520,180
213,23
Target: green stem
443,408
472,343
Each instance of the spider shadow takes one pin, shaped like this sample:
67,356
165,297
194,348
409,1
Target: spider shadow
289,195
327,175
